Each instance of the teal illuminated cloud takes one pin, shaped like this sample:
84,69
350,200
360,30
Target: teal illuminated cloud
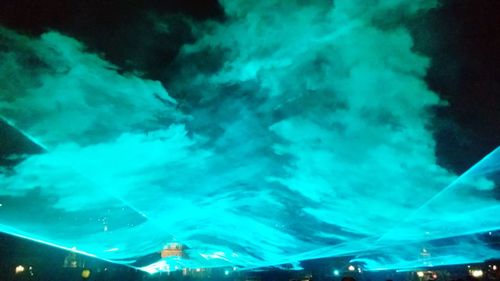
58,92
312,137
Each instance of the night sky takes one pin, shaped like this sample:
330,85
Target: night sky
237,95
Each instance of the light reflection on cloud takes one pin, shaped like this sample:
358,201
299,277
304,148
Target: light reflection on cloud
314,139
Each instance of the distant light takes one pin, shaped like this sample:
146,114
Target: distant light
336,272
198,269
351,268
494,267
420,274
359,269
1,205
234,268
476,273
468,266
434,276
19,269
226,272
85,273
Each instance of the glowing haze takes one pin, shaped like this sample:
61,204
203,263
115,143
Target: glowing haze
310,136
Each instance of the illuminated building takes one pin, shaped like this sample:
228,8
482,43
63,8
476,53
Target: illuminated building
173,250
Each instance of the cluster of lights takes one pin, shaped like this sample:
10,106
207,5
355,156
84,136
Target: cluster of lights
20,269
477,273
422,274
227,271
351,268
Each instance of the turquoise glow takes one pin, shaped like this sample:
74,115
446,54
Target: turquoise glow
313,139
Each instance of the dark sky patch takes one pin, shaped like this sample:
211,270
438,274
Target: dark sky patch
462,39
